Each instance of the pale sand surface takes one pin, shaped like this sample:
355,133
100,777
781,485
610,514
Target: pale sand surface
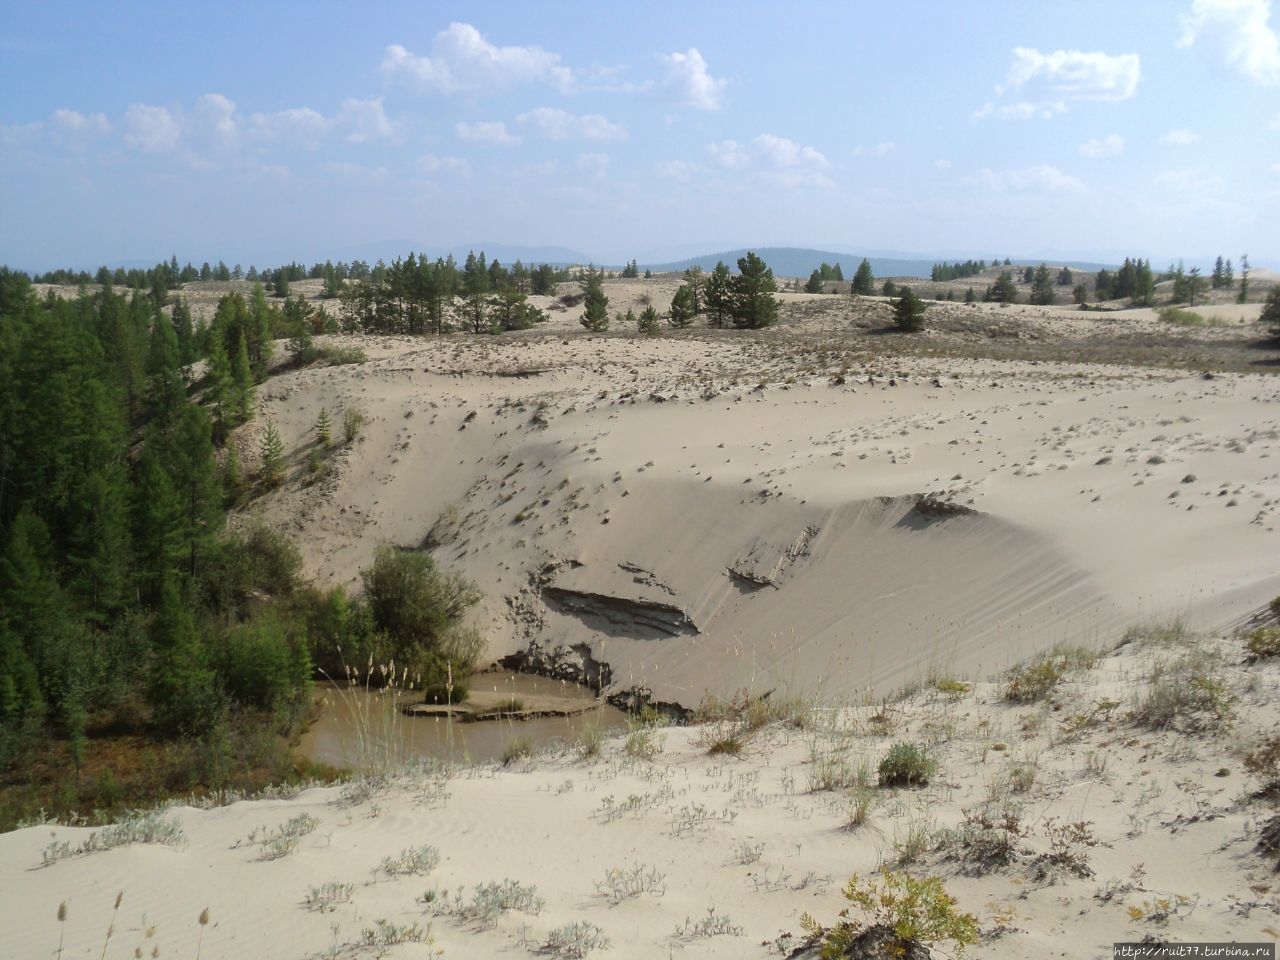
714,513
1167,826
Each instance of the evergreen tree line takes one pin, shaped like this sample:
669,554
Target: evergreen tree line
944,271
825,273
126,607
418,296
745,301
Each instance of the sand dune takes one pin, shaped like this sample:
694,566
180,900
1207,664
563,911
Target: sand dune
773,508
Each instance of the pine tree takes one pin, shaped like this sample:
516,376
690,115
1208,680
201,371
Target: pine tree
232,478
814,283
184,696
1270,316
259,333
1243,295
324,431
595,308
1042,291
185,333
1144,294
242,379
695,280
647,323
475,285
156,517
220,389
864,281
753,303
1003,290
192,465
908,312
166,393
717,296
272,468
683,307
1218,277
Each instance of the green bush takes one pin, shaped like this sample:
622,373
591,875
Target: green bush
418,609
901,915
260,667
1263,642
906,765
253,563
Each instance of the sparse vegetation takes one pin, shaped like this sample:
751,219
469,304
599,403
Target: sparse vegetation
1035,680
1187,691
576,940
899,913
906,765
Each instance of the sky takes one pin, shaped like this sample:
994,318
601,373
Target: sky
267,132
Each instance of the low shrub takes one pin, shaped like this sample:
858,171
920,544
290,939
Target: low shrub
1187,692
1035,680
906,765
1263,643
901,916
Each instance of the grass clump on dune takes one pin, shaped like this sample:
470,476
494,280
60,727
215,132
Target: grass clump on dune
906,765
1035,680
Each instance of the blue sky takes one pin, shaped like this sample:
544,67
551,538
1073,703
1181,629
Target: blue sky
258,133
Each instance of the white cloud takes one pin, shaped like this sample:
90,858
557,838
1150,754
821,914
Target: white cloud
788,164
300,125
463,61
556,124
690,80
1042,178
1111,145
431,164
1022,110
1075,74
730,154
942,163
151,128
1179,138
778,160
784,153
215,117
365,120
1044,83
882,149
486,131
594,164
1235,32
71,121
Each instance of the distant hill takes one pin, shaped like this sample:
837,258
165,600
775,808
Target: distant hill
800,262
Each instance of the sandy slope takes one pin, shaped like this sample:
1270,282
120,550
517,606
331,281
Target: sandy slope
708,514
1170,830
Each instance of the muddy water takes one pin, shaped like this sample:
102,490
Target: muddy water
356,728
